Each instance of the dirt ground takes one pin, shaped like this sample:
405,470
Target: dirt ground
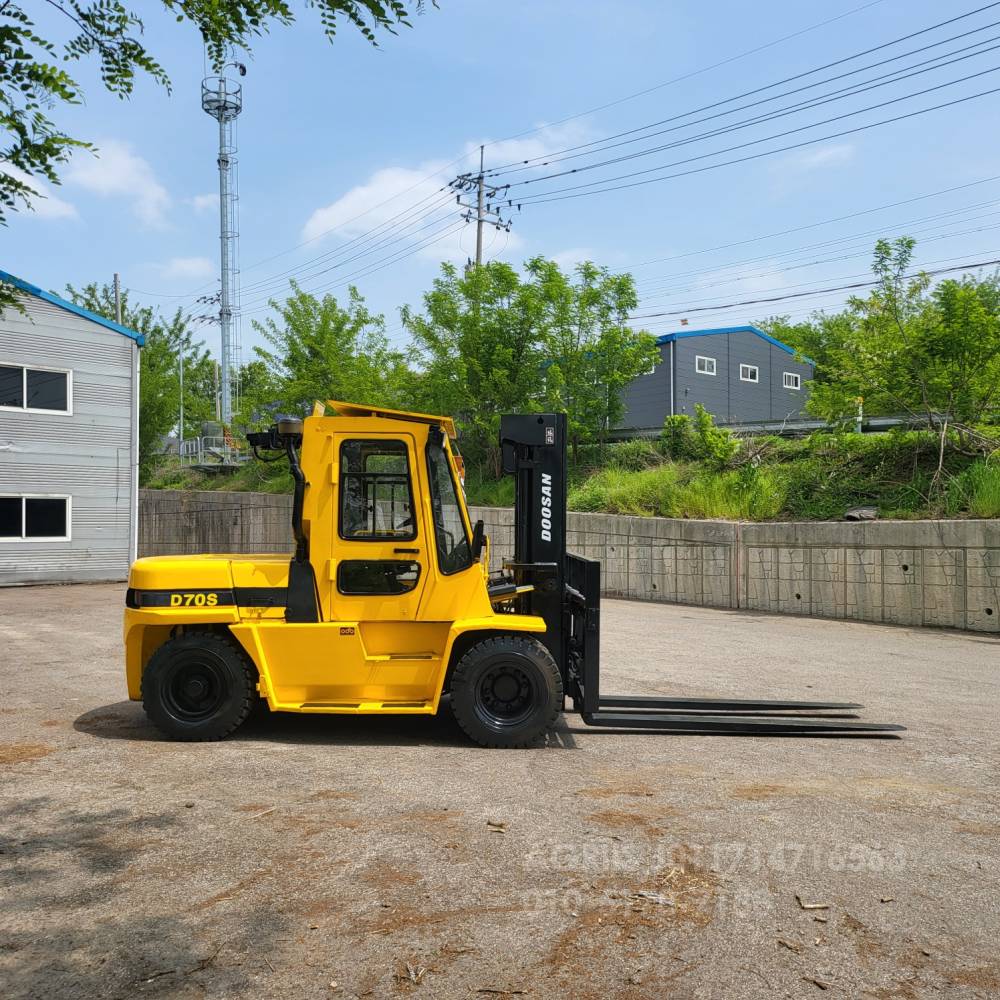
327,857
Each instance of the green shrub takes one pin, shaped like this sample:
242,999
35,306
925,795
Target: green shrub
718,445
650,492
749,494
698,439
975,491
678,438
634,455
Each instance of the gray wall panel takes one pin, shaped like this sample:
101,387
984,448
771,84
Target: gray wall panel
86,454
724,395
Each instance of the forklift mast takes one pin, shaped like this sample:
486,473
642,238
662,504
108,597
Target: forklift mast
567,587
566,594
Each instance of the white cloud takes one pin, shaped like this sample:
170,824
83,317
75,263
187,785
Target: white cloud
568,259
116,171
414,205
187,268
824,156
204,202
45,205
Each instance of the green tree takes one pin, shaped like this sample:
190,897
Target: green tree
931,354
317,350
592,352
34,79
480,344
159,379
494,342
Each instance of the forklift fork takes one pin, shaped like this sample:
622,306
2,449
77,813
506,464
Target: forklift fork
566,592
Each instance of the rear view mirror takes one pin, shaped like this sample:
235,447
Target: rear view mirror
478,540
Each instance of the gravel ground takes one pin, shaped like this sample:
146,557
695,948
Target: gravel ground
326,857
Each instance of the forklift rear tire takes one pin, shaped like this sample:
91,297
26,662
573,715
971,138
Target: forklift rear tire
506,691
198,686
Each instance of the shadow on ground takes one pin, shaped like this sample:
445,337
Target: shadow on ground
125,720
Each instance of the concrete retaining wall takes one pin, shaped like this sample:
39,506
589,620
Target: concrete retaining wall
935,573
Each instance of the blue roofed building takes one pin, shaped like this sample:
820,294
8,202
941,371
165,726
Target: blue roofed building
69,441
740,374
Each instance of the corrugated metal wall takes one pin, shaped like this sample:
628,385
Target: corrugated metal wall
86,454
724,395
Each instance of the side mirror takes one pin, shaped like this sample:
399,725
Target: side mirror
478,540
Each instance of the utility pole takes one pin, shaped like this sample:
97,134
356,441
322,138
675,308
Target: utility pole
180,421
118,299
223,100
486,196
480,199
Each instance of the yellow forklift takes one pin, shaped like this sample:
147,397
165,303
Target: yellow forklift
387,604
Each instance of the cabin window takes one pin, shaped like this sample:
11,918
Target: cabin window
703,365
454,549
377,576
47,390
376,496
35,517
749,373
793,381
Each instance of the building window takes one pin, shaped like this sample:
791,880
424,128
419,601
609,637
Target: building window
46,390
376,502
35,517
704,366
793,381
749,373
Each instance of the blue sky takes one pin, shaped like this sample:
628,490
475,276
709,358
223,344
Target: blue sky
329,132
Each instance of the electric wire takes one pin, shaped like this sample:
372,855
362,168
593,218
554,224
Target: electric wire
690,75
743,145
885,80
565,194
798,295
778,83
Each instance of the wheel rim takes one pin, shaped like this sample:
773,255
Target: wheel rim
505,695
196,689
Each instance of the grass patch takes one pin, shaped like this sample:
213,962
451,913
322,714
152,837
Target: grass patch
819,477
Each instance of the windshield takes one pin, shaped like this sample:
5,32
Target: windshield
453,546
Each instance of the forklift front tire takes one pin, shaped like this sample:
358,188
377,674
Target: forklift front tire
506,691
198,686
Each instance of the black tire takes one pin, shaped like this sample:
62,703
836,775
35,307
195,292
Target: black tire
199,686
506,691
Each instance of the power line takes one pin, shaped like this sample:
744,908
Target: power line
550,195
691,75
885,80
366,246
824,222
742,145
865,252
419,208
811,247
799,295
378,265
548,157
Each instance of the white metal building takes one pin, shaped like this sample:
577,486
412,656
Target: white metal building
69,442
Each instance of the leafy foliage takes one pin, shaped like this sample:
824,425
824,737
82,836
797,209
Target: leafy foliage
321,350
480,344
699,438
931,354
492,342
32,82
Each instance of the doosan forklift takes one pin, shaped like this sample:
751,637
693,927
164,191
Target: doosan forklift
387,604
